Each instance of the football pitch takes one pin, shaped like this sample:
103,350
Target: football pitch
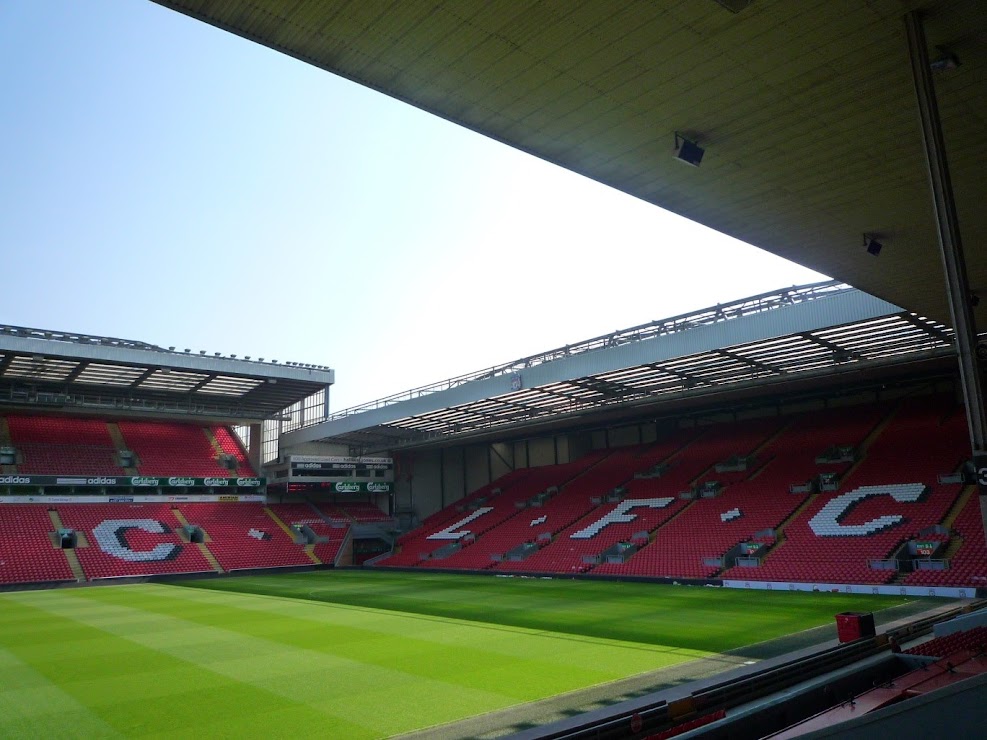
352,654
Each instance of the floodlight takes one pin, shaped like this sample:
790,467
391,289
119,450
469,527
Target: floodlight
946,60
874,247
687,150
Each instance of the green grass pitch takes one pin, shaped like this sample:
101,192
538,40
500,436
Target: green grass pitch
352,654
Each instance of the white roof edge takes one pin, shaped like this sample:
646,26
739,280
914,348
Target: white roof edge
844,307
30,345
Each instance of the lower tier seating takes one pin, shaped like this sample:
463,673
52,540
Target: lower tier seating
243,536
121,540
27,551
974,639
889,495
485,514
331,533
354,511
968,564
131,540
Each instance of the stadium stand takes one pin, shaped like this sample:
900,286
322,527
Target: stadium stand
60,445
353,511
165,449
692,724
330,533
410,546
127,540
485,510
889,493
27,551
541,519
566,554
680,546
230,444
837,556
974,639
244,536
967,553
959,657
131,540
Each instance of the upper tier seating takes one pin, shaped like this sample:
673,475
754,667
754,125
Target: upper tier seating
69,445
131,540
53,445
231,445
27,554
166,449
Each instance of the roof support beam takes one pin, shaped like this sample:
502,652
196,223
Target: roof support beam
201,384
687,377
836,349
604,387
79,369
5,363
143,376
756,364
933,331
950,247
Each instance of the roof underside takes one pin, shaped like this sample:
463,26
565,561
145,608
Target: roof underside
731,351
849,354
806,109
76,372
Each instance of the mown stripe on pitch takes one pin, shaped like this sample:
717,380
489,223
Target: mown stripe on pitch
31,705
139,690
706,619
429,626
337,687
485,680
417,643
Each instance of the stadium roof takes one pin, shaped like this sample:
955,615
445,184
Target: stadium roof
79,372
806,109
793,338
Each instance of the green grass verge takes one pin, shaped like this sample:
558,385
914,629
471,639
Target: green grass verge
391,652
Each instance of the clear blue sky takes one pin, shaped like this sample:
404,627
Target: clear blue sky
166,181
